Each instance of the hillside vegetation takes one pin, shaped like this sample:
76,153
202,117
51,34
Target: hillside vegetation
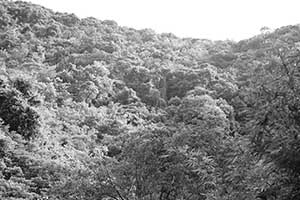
90,110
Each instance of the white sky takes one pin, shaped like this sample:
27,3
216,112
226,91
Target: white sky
209,19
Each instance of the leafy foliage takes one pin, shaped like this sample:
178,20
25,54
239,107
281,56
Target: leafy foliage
92,110
14,112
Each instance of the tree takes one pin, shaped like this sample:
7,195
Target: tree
17,114
274,123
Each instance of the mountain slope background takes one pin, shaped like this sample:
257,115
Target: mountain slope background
91,110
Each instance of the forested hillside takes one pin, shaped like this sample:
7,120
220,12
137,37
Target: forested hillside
90,110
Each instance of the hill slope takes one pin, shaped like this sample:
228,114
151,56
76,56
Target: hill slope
92,110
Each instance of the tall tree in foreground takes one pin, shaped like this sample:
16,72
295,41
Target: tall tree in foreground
275,123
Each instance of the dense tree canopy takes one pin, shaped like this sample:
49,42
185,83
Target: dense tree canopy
92,110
